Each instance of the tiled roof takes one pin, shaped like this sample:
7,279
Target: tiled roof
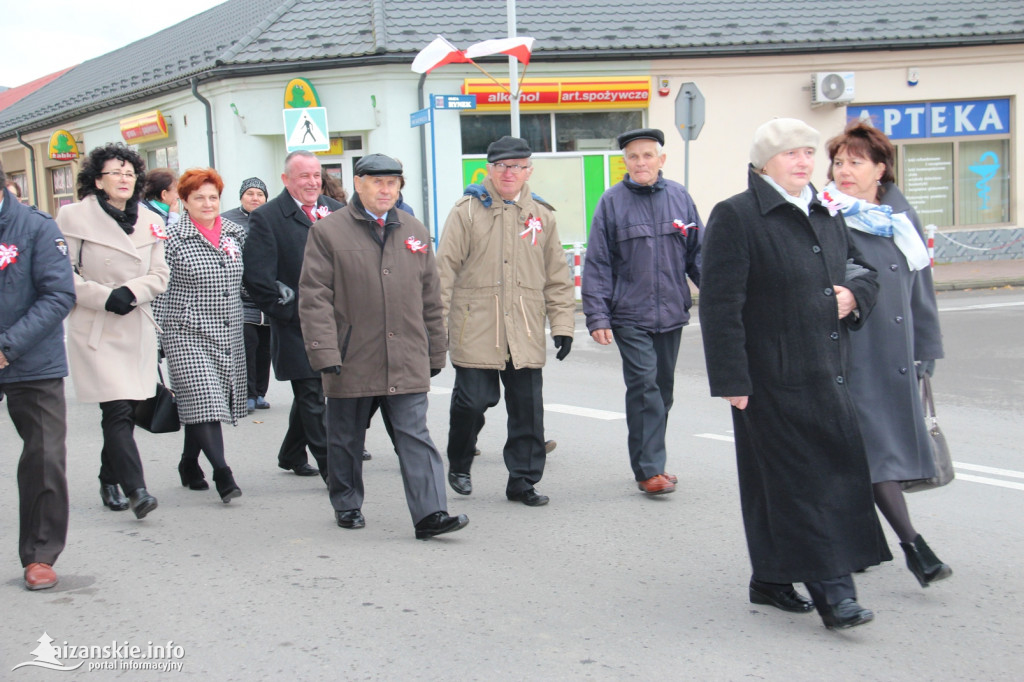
252,35
11,95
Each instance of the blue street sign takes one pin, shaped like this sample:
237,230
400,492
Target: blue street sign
453,101
418,118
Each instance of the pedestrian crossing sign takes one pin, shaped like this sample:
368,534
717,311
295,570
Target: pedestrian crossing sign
306,129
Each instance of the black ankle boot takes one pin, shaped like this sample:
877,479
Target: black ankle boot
226,486
923,563
192,475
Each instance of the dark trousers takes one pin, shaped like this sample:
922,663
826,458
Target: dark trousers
119,459
474,392
257,358
305,427
648,368
830,592
420,463
39,415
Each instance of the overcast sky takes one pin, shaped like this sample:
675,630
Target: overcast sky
43,36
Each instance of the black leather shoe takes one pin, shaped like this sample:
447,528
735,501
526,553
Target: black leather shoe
780,596
350,518
366,455
305,470
460,483
846,614
112,497
439,523
142,503
530,497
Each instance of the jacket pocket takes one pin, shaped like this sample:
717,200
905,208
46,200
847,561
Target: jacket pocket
345,338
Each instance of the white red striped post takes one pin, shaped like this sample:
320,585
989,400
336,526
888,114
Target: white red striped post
930,230
577,270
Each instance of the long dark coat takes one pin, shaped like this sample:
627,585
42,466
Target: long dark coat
201,323
771,331
273,253
903,327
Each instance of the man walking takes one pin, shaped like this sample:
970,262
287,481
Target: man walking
644,242
370,308
273,261
37,293
503,271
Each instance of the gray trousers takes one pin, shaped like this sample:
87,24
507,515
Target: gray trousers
420,462
648,368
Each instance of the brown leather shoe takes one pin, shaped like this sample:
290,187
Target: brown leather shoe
671,477
657,485
39,576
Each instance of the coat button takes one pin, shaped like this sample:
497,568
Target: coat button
314,344
391,335
387,271
834,336
840,379
227,323
894,267
903,370
816,249
392,389
828,291
899,319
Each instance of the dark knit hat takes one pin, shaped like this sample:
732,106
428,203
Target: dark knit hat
641,134
254,182
378,164
508,147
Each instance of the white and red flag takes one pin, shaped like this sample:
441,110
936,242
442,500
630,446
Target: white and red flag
514,47
438,53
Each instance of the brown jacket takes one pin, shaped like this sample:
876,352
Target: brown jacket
373,308
113,357
498,284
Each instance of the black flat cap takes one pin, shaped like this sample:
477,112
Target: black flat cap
508,148
377,164
641,134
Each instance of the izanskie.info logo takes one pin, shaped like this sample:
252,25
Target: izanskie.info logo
114,656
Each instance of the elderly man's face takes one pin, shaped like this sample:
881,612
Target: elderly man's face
509,176
378,193
302,179
643,161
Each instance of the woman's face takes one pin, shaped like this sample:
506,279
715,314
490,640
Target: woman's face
856,175
252,199
791,169
170,196
117,180
203,205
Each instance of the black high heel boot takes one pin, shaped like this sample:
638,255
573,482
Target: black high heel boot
226,486
192,476
923,563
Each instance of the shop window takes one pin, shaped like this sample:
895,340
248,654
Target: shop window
928,181
62,185
594,131
575,132
163,157
478,131
984,182
21,180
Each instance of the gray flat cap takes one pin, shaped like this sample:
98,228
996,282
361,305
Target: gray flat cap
508,147
377,164
641,134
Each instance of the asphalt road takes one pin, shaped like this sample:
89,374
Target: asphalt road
602,583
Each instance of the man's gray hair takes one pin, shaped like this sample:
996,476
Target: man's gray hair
300,152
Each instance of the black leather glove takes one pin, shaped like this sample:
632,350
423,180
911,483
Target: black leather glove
564,345
925,367
434,371
120,301
333,369
287,294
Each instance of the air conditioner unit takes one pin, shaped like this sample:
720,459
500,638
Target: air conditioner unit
831,88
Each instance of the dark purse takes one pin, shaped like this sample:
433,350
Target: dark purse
940,450
158,414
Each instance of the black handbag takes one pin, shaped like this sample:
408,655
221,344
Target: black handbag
940,450
158,414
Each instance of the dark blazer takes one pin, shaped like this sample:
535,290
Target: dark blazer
273,253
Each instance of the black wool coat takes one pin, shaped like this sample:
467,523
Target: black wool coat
273,253
771,331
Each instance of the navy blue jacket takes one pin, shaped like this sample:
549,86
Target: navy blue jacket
644,241
36,291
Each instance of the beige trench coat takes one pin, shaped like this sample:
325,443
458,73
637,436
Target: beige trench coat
113,357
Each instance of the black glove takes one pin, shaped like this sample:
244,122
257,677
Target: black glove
564,345
925,367
121,301
434,371
333,369
287,295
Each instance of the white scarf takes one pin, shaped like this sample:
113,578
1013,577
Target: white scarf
802,202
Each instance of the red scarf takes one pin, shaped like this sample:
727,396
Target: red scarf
212,234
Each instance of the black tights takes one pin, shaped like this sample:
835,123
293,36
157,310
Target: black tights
890,500
208,438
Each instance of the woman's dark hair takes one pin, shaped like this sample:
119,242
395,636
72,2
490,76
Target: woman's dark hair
862,139
158,180
332,188
92,167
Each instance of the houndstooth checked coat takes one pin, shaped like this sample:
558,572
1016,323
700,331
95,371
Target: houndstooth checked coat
201,321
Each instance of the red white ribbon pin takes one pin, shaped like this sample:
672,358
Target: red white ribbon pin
158,230
533,226
322,212
415,245
8,255
231,248
681,226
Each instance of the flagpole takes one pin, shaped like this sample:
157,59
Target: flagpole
484,72
513,70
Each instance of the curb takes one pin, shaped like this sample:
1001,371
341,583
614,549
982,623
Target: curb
962,285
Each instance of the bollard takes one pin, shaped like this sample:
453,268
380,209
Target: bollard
930,231
577,271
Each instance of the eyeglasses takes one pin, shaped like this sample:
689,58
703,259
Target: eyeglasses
127,176
515,167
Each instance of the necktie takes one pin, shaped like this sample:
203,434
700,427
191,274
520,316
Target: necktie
380,221
308,210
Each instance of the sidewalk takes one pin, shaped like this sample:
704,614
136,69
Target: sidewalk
978,274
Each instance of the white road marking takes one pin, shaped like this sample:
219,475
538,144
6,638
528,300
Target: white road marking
989,470
990,481
980,306
715,436
588,412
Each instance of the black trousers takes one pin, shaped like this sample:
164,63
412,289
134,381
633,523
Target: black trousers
257,358
830,592
305,426
474,392
39,415
119,459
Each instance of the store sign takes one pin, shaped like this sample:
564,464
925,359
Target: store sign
299,94
937,119
144,127
63,146
628,92
337,148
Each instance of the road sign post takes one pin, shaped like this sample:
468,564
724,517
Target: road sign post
689,119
